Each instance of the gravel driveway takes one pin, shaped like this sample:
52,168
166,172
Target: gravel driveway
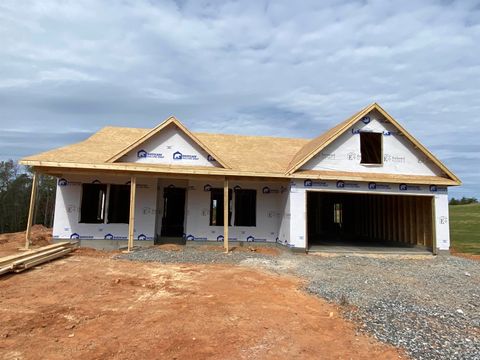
430,307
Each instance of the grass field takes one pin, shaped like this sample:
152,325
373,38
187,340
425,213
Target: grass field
465,228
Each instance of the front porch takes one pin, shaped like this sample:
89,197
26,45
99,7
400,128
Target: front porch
108,210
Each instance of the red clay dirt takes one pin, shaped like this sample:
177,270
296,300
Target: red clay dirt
465,255
10,243
90,306
261,249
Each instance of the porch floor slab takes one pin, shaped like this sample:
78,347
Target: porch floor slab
365,249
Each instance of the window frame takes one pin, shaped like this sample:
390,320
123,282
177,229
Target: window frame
239,215
363,136
126,219
230,198
101,206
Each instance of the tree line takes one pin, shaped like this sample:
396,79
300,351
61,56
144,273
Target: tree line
15,190
463,201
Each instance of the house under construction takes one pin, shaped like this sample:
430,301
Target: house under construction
365,181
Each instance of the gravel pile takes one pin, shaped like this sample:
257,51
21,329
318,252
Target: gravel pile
429,307
191,255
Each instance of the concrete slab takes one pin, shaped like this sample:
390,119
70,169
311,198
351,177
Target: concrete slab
367,249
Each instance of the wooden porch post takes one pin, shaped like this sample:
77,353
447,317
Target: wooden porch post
131,221
226,209
33,196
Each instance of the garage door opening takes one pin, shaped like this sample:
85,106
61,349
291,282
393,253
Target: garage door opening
369,220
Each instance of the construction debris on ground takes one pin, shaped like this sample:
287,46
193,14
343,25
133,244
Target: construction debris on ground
28,259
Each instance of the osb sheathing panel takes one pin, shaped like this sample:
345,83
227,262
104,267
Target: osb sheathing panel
245,155
254,153
97,149
242,153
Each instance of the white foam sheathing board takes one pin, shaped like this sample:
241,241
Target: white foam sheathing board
281,209
298,197
298,224
170,147
68,202
442,226
149,211
269,212
285,215
399,154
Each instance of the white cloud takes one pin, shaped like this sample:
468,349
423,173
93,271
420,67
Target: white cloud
266,67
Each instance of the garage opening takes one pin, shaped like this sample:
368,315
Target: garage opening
336,219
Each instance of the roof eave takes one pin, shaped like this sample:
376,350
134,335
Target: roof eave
306,158
155,169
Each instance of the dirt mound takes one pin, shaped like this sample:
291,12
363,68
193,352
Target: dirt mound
11,242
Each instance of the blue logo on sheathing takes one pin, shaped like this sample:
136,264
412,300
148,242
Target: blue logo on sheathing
141,237
75,236
433,188
177,155
250,239
190,237
220,238
144,154
405,187
387,133
366,119
108,237
375,186
62,182
311,183
344,185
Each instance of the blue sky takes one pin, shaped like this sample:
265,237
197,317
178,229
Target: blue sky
284,68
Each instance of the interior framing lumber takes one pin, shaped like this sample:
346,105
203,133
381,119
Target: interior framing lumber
386,218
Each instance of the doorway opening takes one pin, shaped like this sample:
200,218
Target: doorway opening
358,220
173,218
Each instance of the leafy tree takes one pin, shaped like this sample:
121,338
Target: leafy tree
463,201
15,191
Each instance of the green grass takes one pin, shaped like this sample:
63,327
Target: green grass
465,228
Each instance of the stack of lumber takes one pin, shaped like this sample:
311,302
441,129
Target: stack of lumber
20,262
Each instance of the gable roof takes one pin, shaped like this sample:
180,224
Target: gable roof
253,156
258,155
171,121
316,145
